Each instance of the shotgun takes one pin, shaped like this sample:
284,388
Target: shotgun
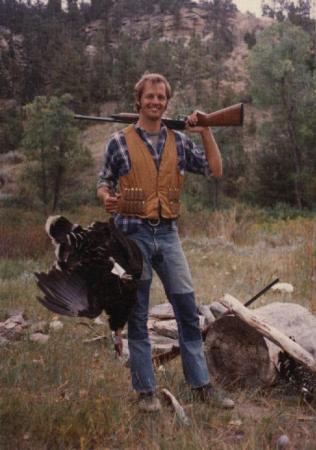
230,116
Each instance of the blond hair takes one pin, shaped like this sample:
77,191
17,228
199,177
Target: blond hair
153,78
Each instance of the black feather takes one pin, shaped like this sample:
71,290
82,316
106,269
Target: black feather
82,283
296,375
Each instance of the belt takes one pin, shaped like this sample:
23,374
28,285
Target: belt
159,221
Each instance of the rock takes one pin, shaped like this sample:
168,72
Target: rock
283,287
14,320
8,325
282,442
12,328
56,325
39,338
293,320
38,327
235,423
162,312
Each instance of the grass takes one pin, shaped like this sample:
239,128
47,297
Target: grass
68,394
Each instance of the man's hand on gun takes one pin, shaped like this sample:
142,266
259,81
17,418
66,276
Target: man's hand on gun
191,122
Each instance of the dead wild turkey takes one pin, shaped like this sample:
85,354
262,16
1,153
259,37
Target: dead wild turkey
293,373
96,269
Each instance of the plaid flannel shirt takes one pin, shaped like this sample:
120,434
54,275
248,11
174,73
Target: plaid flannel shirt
117,163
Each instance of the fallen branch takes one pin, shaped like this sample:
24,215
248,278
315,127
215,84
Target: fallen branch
97,338
180,413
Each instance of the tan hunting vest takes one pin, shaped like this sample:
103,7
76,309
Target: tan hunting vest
145,191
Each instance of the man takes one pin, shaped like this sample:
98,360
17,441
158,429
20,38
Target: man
146,161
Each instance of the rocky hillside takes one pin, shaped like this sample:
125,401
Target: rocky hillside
191,20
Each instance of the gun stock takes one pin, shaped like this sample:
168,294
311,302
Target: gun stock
226,117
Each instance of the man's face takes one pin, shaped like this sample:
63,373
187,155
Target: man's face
153,101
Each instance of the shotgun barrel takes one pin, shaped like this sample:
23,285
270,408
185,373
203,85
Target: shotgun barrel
226,117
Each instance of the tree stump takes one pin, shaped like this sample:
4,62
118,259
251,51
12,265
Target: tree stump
236,353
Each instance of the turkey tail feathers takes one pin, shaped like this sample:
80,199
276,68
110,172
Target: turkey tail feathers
65,293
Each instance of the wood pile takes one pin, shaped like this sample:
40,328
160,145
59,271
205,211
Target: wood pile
242,345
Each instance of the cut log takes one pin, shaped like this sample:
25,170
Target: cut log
288,345
236,353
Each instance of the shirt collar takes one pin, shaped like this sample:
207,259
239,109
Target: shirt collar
142,132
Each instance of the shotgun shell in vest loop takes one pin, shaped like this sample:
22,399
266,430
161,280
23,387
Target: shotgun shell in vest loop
140,194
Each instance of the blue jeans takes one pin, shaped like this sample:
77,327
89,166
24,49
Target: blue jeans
162,251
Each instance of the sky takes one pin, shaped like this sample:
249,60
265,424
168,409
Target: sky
253,6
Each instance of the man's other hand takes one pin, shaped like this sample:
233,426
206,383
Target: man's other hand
108,199
111,203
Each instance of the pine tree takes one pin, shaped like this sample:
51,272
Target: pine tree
52,149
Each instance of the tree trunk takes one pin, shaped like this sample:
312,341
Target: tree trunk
57,186
44,180
58,179
297,153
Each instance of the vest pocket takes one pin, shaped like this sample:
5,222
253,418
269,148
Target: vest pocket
174,200
173,194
